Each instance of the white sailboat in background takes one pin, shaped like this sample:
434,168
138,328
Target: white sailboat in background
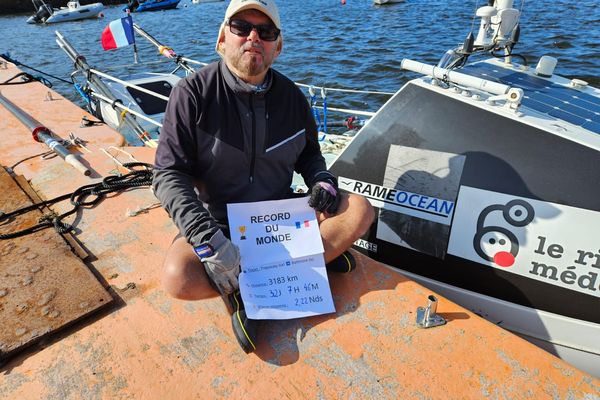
72,12
381,2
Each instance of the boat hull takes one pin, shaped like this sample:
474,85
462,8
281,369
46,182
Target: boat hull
156,6
442,166
138,101
83,12
381,2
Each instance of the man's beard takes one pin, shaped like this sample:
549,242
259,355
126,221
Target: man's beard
250,64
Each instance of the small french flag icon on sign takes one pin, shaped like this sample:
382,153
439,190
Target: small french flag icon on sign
298,225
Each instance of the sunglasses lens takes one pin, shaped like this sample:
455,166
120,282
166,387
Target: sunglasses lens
240,28
268,33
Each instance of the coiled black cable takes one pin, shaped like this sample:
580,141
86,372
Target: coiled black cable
79,198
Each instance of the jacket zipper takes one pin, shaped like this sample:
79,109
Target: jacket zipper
253,157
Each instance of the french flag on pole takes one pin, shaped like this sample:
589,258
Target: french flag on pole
118,33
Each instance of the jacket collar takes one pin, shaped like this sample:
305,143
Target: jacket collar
241,87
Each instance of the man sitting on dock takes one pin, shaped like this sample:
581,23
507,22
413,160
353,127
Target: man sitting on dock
235,131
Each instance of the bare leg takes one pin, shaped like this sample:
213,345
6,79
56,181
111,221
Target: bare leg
354,217
183,274
184,278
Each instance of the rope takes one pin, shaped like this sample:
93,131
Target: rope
26,78
84,196
17,63
313,105
141,89
45,153
82,93
119,150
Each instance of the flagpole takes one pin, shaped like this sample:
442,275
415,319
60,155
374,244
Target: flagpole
135,54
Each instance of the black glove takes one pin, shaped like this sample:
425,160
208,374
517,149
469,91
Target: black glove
325,196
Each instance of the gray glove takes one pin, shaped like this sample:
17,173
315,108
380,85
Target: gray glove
221,259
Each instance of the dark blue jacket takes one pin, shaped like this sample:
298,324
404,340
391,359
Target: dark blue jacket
233,144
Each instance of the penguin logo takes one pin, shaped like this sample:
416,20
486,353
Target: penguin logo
496,243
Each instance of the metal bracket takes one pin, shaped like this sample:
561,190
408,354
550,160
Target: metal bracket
426,316
512,99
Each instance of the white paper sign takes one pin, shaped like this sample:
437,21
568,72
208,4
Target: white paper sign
274,230
283,271
548,242
286,289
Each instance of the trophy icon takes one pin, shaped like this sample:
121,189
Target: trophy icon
242,229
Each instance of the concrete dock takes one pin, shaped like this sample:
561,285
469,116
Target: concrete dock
143,344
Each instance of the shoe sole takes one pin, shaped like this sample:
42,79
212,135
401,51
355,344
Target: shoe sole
350,263
343,264
240,332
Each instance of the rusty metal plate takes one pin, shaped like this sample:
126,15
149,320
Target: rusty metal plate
43,285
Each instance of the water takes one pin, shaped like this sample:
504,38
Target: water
357,45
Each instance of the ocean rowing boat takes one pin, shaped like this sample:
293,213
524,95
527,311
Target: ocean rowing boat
484,181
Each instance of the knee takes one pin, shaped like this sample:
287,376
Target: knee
363,211
185,282
171,280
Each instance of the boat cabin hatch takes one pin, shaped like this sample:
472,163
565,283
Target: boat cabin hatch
148,103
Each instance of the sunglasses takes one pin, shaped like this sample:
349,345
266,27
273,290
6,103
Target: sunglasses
267,32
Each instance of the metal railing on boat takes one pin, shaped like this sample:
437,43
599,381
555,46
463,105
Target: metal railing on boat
128,114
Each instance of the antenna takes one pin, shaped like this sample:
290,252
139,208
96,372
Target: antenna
484,36
508,17
498,25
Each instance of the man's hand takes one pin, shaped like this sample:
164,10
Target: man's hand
221,259
325,196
